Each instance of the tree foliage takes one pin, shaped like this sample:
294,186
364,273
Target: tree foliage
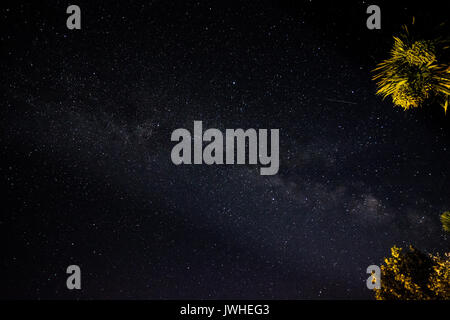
413,275
413,74
445,219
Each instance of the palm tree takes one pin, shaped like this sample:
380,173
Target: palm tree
445,219
413,74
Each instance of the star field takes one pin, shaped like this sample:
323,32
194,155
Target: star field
85,142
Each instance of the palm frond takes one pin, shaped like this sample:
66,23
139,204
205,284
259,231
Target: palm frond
413,74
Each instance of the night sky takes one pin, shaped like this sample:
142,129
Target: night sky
86,119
